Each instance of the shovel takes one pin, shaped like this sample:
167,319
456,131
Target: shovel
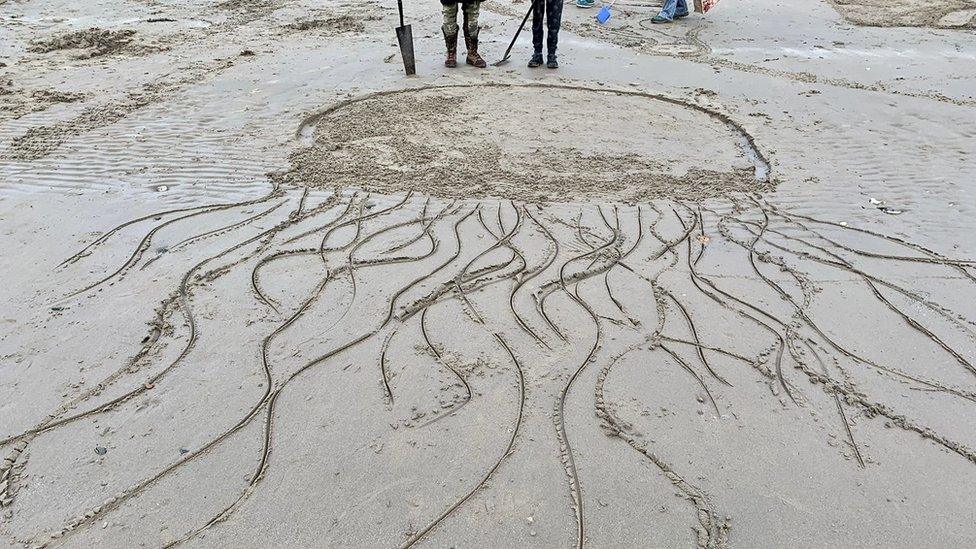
405,38
604,15
514,38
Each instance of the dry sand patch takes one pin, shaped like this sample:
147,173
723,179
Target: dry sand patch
518,142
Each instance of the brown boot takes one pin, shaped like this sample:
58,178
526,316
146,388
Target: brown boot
471,42
451,41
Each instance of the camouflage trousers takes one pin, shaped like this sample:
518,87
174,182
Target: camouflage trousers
470,10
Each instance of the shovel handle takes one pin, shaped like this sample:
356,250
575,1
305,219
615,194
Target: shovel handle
519,31
400,7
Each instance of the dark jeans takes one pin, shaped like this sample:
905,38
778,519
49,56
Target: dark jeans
553,12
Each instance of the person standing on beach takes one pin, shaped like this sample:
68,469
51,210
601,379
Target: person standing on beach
552,10
470,9
672,9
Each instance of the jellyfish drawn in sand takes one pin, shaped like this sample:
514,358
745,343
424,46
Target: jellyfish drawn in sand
635,277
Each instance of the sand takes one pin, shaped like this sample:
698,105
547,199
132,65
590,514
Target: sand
707,285
459,141
910,13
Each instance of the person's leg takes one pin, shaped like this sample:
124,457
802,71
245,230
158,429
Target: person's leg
450,29
667,12
538,18
554,15
681,9
471,32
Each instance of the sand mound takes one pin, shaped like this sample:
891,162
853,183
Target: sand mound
909,13
96,41
522,143
332,25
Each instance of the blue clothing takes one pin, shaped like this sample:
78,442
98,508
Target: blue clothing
674,8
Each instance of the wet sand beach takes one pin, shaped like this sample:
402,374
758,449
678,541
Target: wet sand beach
709,284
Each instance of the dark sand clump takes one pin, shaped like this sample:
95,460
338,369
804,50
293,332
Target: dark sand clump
332,25
15,103
97,42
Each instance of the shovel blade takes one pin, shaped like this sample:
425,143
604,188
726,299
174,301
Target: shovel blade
604,15
405,39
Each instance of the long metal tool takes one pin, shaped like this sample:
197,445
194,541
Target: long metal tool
405,38
514,38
